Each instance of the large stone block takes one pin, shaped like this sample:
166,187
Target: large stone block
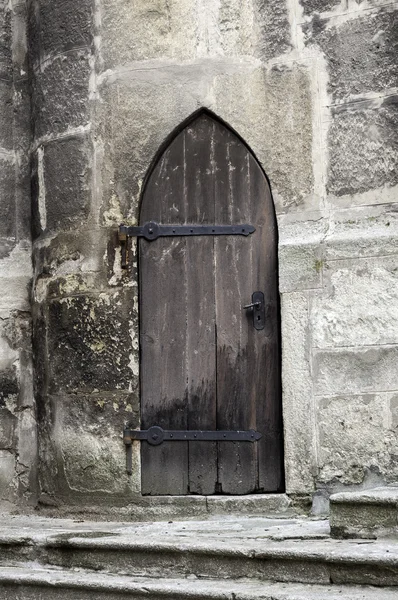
363,141
361,53
7,428
148,29
298,410
355,370
56,27
5,40
65,25
79,262
354,438
61,94
15,280
66,180
92,344
358,306
300,267
87,439
9,387
260,105
272,21
364,514
6,115
7,197
362,232
185,30
7,475
318,6
256,28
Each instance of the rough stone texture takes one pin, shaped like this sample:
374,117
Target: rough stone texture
64,201
272,19
366,514
255,549
60,98
62,585
318,6
18,451
363,142
361,53
64,26
91,459
6,115
87,338
300,459
280,137
347,427
5,40
7,196
355,370
358,305
149,30
7,475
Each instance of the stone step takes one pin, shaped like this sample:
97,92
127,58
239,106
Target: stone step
32,583
288,551
366,514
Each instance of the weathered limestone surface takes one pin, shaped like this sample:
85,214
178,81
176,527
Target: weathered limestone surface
242,553
368,514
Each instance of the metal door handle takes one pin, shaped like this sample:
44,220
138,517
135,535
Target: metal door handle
253,305
258,309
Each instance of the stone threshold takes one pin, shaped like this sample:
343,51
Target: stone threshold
161,508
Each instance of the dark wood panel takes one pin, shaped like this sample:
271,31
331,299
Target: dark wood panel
204,366
199,186
236,402
163,333
266,345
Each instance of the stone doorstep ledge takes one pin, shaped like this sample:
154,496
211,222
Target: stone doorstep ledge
160,508
279,550
364,514
50,584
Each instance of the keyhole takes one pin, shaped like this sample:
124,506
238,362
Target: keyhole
258,317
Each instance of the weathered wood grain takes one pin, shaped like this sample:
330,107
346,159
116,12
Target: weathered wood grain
203,365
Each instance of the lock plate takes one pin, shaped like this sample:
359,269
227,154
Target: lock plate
257,308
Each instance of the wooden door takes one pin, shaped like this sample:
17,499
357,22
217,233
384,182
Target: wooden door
203,364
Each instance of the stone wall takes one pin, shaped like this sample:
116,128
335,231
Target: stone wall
312,88
18,443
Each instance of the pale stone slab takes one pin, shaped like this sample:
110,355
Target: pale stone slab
358,305
355,437
254,548
64,585
369,513
355,370
298,408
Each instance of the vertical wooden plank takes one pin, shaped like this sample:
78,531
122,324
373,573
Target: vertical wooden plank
199,186
163,333
236,394
266,352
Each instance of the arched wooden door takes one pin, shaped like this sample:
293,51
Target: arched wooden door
203,364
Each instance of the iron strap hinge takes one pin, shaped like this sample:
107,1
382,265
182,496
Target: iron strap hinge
152,231
156,435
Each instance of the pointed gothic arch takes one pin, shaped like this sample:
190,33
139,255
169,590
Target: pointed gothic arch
204,366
